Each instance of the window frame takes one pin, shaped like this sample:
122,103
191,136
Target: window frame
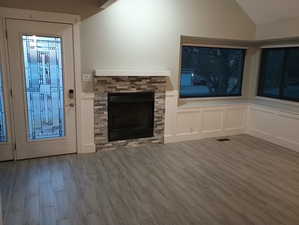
214,97
261,79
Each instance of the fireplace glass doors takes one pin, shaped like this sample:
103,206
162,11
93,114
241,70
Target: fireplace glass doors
130,115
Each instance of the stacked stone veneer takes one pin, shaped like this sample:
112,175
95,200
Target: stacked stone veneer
104,85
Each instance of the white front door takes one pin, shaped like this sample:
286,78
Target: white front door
41,66
5,144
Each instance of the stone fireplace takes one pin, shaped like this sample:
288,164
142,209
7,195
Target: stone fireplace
128,111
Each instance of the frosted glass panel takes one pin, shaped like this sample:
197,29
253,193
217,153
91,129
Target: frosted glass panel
44,86
3,132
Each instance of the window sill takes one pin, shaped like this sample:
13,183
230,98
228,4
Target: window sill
210,102
277,105
209,98
276,100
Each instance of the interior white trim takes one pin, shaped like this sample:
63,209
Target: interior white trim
87,96
215,46
78,85
281,46
276,100
6,152
282,132
87,144
87,148
132,72
275,140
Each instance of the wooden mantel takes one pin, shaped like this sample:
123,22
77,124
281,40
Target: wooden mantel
132,72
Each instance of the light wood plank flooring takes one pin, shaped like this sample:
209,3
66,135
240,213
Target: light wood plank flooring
246,181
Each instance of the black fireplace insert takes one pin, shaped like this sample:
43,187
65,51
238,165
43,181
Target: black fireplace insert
130,115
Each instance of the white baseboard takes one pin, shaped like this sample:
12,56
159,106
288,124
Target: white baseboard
256,133
200,135
276,140
87,148
181,138
6,155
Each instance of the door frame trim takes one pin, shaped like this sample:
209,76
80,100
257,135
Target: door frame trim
39,16
8,153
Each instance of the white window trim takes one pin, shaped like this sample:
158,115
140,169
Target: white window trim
288,102
280,46
215,46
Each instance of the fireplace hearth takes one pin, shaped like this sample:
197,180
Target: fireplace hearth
130,115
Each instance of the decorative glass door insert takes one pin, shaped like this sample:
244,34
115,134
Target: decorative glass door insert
3,131
44,86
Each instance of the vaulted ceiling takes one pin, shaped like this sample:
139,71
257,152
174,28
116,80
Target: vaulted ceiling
268,11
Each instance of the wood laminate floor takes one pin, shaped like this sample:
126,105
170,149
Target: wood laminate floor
246,181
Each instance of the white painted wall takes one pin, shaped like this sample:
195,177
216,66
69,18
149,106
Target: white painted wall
274,125
279,29
146,34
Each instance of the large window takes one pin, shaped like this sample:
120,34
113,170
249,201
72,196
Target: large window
279,73
211,72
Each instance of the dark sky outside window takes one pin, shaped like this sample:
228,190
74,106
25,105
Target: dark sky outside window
291,75
211,72
279,74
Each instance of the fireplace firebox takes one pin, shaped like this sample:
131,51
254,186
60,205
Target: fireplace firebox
130,115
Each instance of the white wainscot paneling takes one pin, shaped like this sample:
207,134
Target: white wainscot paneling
275,126
202,122
188,124
170,115
269,123
87,124
235,119
212,121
